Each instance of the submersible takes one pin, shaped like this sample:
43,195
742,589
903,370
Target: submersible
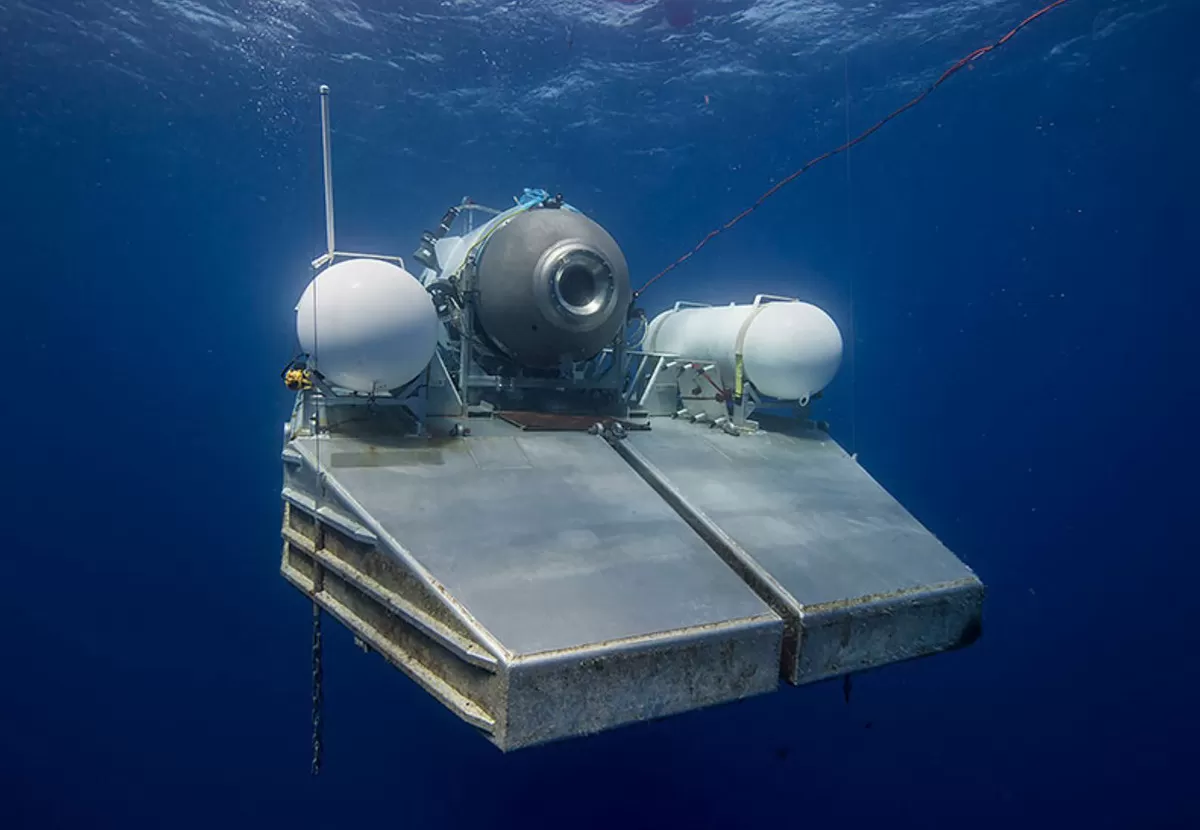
559,518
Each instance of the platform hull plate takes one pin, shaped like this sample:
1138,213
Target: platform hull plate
859,581
532,581
552,584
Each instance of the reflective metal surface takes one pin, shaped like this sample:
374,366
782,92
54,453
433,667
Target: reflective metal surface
859,580
544,581
543,550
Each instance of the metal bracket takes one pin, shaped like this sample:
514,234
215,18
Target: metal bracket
702,394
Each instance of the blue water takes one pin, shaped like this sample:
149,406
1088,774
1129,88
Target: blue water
1020,250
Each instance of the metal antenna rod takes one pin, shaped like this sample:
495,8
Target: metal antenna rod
329,242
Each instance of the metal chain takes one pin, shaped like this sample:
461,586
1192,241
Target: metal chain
317,690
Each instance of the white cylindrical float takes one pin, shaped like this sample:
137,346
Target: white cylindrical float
367,325
787,350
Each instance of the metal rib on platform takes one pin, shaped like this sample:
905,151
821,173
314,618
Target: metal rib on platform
858,580
533,582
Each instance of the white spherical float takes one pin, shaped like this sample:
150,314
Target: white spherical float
367,325
790,350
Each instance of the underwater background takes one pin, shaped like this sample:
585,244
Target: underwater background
1012,263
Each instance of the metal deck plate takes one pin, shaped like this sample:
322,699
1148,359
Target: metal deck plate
859,580
555,556
550,541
